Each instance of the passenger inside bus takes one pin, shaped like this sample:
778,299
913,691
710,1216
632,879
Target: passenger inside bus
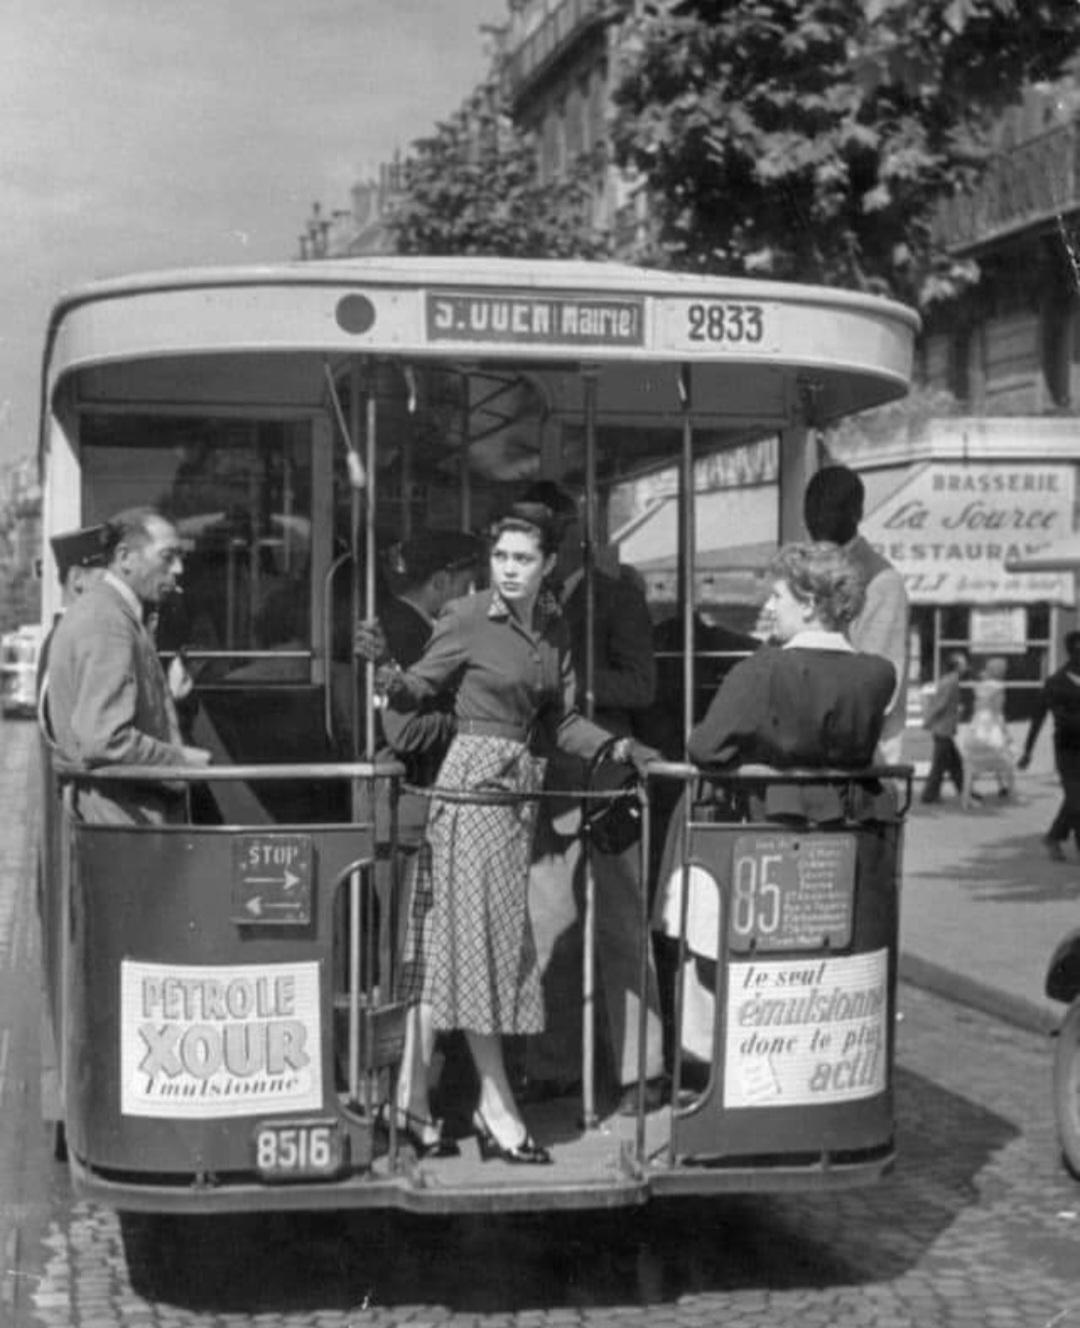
811,702
80,559
624,689
504,654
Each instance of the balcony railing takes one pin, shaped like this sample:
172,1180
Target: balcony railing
558,30
1023,186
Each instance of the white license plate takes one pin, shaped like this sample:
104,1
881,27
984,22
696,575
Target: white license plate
299,1150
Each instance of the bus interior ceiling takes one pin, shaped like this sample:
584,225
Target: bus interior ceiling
509,405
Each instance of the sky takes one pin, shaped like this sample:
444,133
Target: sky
147,134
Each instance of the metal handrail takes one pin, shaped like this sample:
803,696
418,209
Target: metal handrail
683,770
507,797
198,774
686,770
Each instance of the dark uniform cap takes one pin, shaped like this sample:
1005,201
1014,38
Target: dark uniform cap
79,548
419,558
561,502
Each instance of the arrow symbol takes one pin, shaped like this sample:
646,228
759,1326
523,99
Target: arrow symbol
256,907
287,881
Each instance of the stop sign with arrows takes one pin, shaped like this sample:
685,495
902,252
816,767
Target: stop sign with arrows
272,879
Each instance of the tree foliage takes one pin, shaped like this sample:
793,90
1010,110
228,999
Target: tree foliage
811,139
474,187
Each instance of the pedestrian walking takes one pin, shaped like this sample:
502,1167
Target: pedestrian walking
942,718
986,745
1060,697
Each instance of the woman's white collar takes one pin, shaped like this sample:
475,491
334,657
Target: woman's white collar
817,638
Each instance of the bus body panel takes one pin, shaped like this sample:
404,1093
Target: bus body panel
235,395
761,1024
175,1003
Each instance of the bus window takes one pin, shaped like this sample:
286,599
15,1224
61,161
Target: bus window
240,493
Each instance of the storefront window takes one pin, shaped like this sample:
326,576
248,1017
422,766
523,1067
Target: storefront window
1021,635
953,624
1039,622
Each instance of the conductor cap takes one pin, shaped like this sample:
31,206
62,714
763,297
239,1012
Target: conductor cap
79,548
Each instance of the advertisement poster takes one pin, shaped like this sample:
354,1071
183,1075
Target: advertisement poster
808,1031
202,1042
951,528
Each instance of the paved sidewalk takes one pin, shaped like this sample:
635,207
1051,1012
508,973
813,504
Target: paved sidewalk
982,906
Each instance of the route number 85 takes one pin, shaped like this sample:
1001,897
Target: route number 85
730,323
756,895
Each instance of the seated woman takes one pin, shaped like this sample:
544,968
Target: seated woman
811,701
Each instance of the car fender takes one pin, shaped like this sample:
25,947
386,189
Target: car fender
1063,973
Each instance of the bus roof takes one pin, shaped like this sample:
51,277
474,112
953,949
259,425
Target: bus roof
526,273
755,348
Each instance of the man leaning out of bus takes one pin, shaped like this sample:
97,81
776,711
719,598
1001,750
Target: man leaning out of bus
108,697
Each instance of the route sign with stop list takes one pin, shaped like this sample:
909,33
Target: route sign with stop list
272,876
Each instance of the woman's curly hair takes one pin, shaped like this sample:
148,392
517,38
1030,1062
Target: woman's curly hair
823,575
532,519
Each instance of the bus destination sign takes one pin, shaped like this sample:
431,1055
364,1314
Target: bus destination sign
528,319
792,892
271,884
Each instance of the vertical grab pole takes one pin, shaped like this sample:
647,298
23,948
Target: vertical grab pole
355,387
358,482
370,936
644,857
466,470
369,570
687,547
588,976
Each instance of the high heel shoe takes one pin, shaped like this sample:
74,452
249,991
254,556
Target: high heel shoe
528,1152
424,1135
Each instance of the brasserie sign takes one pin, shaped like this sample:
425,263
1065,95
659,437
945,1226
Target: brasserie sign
952,526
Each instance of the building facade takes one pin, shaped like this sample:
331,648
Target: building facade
956,496
982,466
20,544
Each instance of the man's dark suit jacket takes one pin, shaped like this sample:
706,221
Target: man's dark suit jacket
624,670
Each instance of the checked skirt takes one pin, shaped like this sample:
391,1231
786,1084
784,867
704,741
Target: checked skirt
469,930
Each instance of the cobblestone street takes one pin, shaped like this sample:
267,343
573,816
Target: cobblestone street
979,1224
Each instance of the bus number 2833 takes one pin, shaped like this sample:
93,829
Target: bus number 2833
733,324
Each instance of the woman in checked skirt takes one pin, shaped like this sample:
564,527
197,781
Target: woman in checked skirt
505,655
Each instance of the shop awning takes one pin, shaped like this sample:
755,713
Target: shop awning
735,528
1061,556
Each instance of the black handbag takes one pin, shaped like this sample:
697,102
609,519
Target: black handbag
613,824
